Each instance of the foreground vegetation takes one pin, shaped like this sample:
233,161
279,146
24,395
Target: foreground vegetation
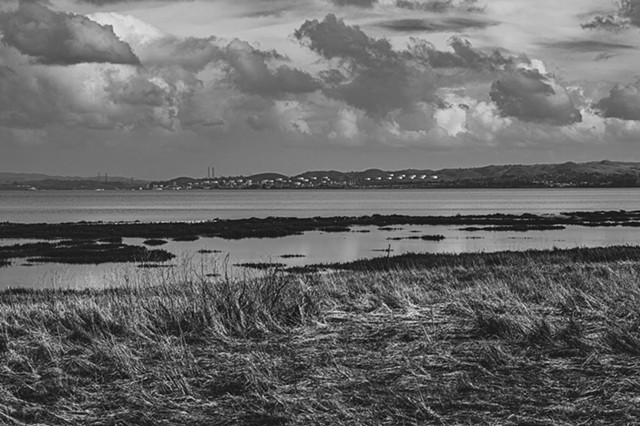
537,338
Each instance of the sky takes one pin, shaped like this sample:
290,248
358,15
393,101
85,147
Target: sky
156,89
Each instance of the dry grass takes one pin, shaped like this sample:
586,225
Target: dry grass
517,342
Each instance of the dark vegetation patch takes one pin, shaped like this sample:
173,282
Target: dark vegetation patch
82,252
516,228
154,242
261,265
273,227
421,237
519,341
113,240
208,251
4,262
186,238
335,229
480,260
292,256
155,265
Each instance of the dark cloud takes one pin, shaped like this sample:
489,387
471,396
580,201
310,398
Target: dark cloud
604,57
136,91
450,24
587,45
623,102
251,73
192,54
463,56
62,38
365,4
531,96
26,101
381,90
332,38
378,78
438,6
628,14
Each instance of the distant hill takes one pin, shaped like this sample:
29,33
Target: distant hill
36,177
592,174
494,172
596,173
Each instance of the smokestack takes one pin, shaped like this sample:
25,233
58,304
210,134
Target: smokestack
213,172
208,172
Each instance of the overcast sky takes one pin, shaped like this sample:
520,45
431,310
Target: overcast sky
161,88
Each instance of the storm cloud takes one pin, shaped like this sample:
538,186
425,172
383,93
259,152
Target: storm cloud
623,102
462,56
253,75
62,38
529,95
380,79
628,14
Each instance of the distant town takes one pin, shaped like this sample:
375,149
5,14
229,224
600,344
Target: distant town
592,174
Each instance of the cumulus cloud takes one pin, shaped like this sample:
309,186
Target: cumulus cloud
463,55
623,102
26,99
362,90
181,83
530,94
460,114
627,14
158,49
346,125
253,75
131,30
62,38
387,83
379,79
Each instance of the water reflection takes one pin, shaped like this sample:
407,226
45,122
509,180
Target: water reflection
311,247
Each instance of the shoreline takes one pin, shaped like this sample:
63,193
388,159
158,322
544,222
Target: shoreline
274,227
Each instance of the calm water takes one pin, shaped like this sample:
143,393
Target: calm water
73,206
313,247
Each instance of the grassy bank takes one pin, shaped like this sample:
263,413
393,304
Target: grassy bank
274,227
524,340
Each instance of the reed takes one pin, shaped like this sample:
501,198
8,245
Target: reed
529,339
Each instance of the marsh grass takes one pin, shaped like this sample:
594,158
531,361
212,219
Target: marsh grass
521,341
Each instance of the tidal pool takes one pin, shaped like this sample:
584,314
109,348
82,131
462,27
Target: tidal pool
211,257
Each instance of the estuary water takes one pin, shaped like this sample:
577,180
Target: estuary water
214,256
153,206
